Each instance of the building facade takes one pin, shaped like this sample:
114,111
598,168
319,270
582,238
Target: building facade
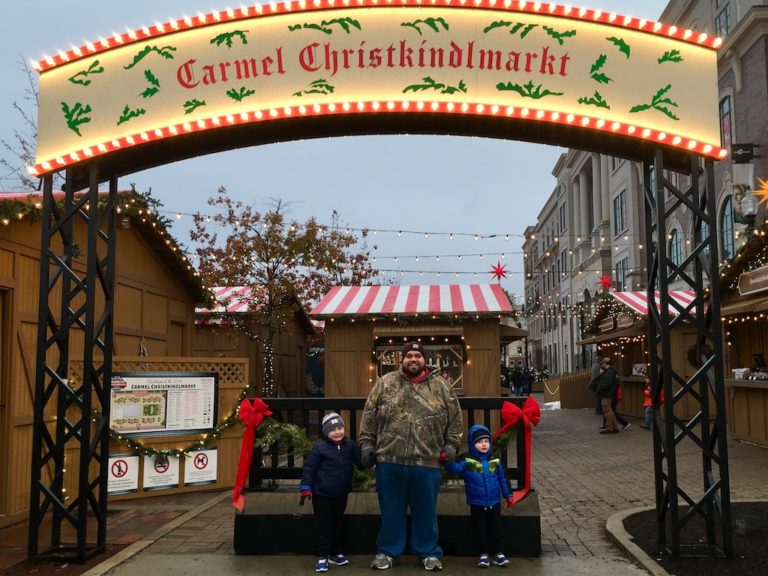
589,236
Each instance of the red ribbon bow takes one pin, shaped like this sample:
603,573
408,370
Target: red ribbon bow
252,413
530,414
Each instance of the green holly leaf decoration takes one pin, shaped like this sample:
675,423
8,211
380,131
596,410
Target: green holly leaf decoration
599,63
497,24
129,114
515,27
192,105
76,115
660,103
430,84
82,76
527,90
345,24
166,52
595,100
671,56
228,38
620,44
559,36
602,78
241,94
319,86
154,86
430,22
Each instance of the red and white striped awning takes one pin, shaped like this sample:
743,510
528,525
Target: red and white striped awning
427,299
638,301
230,300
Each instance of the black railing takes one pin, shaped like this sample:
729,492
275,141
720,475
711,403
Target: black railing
280,463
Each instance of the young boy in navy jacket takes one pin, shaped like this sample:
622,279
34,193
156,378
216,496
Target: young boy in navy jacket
327,480
484,481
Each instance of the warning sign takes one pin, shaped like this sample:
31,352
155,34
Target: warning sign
123,474
200,467
159,474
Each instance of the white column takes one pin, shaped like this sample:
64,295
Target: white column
597,191
606,186
574,195
584,205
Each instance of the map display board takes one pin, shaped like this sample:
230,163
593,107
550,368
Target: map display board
163,402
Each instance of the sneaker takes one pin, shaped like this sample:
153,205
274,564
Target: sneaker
432,563
616,431
500,560
382,562
338,560
644,426
626,426
321,565
483,562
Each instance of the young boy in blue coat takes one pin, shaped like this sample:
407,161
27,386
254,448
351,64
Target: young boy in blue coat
327,480
484,480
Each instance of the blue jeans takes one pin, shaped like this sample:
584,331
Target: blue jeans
401,488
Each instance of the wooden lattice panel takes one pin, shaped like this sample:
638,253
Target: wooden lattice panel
233,372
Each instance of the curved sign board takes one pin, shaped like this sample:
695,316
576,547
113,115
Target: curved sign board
263,73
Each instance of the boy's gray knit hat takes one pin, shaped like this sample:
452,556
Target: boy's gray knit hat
331,421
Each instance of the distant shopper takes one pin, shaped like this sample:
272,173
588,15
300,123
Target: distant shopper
648,403
526,382
327,480
604,385
484,483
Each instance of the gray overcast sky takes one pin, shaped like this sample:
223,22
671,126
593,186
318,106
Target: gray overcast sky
417,183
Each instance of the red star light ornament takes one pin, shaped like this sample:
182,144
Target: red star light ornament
606,282
499,271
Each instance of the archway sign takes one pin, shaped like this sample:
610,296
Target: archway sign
548,73
263,73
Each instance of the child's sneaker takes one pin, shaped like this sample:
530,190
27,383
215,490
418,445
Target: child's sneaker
322,565
500,560
484,561
338,560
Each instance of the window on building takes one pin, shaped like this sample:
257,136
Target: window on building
726,228
563,217
722,18
622,275
620,213
675,247
564,263
725,122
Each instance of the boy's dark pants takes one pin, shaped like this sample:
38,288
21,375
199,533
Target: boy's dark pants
329,524
486,522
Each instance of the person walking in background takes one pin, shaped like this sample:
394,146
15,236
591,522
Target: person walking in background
596,369
484,481
621,421
411,422
526,381
648,403
326,480
605,387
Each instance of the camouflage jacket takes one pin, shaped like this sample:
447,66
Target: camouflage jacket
406,423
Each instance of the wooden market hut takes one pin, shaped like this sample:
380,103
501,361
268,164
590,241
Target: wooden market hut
459,325
744,312
619,331
156,293
228,330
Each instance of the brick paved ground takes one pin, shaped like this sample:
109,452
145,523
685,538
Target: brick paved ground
581,479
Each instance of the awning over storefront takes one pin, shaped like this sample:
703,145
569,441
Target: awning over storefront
744,306
427,299
628,333
638,300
